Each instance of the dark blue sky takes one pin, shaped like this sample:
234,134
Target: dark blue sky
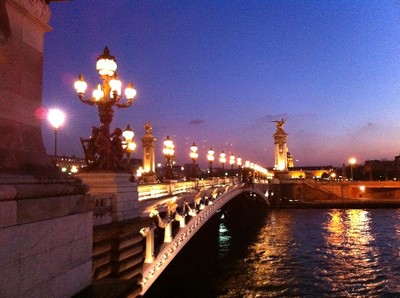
218,72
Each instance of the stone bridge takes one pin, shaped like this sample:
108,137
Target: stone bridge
198,216
126,217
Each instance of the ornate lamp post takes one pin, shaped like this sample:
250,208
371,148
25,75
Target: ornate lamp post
210,158
128,145
105,96
169,152
222,159
194,155
56,118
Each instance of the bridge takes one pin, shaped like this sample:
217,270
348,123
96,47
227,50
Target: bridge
211,203
175,210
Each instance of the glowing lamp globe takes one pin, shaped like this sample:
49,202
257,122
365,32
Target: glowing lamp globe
106,64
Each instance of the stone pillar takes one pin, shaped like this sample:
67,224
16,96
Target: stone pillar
182,222
281,150
124,194
22,28
276,198
168,232
149,162
149,234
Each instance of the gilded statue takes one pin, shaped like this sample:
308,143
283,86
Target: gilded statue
279,123
148,129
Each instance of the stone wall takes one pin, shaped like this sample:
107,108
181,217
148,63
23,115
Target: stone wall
49,258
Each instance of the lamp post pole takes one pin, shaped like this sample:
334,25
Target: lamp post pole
210,158
55,143
239,163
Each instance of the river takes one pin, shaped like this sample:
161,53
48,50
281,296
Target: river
290,253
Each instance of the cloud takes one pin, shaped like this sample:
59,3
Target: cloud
370,124
273,117
196,122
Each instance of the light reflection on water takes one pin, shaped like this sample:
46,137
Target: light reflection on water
224,240
290,253
321,253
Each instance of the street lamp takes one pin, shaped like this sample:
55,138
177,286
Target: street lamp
232,160
128,145
239,162
56,118
194,155
105,96
210,158
352,162
222,159
247,164
169,152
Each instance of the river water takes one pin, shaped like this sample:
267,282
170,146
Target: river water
290,253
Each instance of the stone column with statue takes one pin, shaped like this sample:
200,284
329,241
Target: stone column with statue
149,162
281,151
280,146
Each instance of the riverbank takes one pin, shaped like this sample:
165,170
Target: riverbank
359,203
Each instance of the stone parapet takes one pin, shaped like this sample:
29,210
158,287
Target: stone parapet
123,193
25,199
23,186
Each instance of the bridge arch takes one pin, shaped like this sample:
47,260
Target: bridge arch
169,250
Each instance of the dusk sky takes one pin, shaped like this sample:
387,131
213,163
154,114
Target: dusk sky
218,72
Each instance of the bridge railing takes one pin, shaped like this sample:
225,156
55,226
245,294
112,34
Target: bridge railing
170,188
103,203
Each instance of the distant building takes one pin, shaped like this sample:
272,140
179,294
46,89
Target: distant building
177,170
69,164
381,169
312,172
72,165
